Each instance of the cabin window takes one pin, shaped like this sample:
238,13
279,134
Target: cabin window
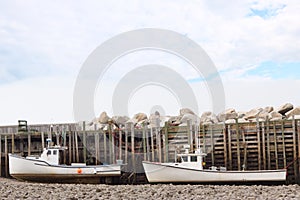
48,152
184,158
193,158
54,152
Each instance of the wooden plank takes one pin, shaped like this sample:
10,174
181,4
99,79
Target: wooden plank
295,149
245,151
204,138
152,144
105,146
268,144
43,140
264,145
238,145
159,144
275,144
144,141
96,139
212,145
113,145
84,142
132,148
70,144
29,144
64,144
126,143
229,147
225,145
110,148
166,140
148,145
258,144
6,155
283,144
188,132
76,146
12,143
120,144
73,147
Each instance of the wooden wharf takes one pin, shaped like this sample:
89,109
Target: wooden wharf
257,145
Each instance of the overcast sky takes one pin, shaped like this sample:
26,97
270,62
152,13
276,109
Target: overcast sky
255,45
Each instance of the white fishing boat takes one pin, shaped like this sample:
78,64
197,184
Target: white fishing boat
189,169
47,168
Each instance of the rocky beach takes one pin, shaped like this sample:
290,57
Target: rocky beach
13,189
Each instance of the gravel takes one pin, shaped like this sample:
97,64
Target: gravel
13,189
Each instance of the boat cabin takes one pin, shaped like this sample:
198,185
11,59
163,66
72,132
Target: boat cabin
191,160
52,155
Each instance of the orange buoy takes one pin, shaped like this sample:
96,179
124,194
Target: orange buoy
79,170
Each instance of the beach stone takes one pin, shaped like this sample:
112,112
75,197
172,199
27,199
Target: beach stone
140,116
184,111
285,108
273,116
241,114
293,112
227,114
194,119
120,120
208,118
268,109
252,114
103,118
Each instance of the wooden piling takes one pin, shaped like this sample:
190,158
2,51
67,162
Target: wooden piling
258,144
166,143
245,151
6,155
43,140
152,144
238,144
12,142
105,146
225,145
120,144
84,141
70,145
295,149
126,142
148,145
283,144
229,147
212,145
76,146
263,145
144,141
268,144
29,144
275,145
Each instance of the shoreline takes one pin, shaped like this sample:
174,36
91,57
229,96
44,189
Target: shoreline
14,189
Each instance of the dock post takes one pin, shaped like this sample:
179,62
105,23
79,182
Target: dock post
12,142
29,143
275,144
126,143
110,143
212,145
70,145
144,141
6,155
152,144
229,147
166,146
238,144
76,146
84,141
268,144
133,152
225,145
283,144
258,144
43,140
148,144
188,130
295,149
245,149
120,144
264,145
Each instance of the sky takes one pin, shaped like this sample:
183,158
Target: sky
255,46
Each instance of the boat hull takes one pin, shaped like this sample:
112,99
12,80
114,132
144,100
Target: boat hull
41,171
170,173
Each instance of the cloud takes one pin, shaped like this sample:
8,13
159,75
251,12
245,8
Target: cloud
44,41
